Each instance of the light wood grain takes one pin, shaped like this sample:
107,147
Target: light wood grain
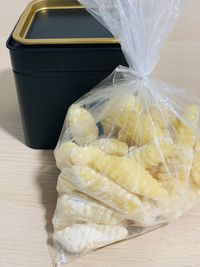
28,177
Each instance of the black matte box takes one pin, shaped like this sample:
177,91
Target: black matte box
49,78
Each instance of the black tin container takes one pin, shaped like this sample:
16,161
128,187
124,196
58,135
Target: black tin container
58,52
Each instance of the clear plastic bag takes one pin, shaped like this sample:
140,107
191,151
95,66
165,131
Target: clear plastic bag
129,151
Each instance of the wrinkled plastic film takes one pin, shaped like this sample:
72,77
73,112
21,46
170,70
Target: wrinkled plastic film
129,150
140,26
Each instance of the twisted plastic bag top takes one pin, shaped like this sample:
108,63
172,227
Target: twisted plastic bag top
129,151
140,26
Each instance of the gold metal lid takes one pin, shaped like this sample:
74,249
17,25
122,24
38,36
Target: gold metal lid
20,33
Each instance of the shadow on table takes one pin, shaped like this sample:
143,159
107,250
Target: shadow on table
47,180
9,109
11,123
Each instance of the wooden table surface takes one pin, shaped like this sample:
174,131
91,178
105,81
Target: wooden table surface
28,177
